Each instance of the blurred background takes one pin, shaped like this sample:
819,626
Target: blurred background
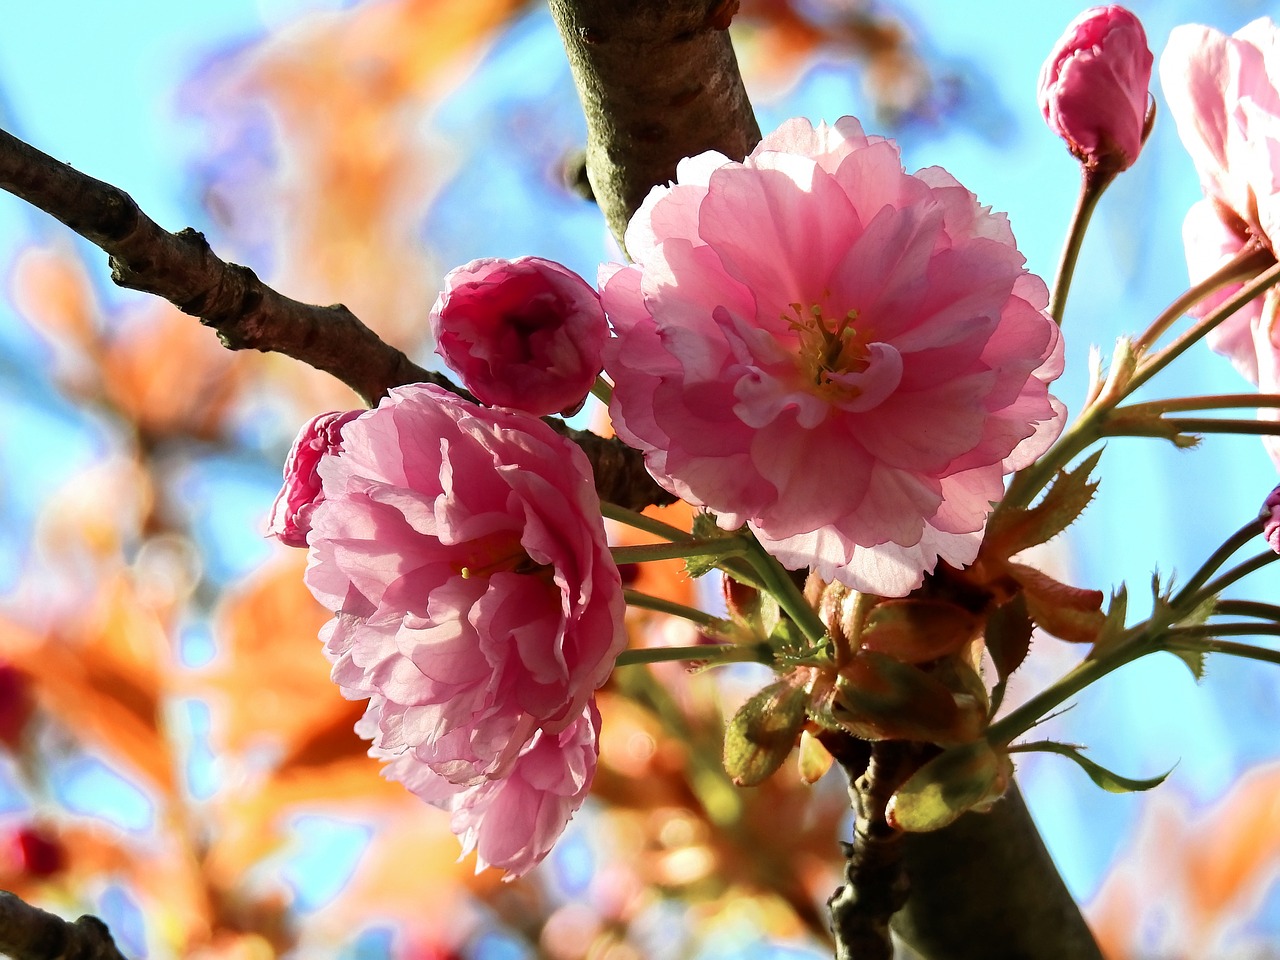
175,759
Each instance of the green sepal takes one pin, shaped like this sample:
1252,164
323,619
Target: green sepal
1111,782
948,786
1112,632
1008,636
1012,531
917,631
764,730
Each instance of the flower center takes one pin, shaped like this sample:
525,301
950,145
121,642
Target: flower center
829,347
498,554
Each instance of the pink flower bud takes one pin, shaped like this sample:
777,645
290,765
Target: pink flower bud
291,513
1093,87
527,333
1271,519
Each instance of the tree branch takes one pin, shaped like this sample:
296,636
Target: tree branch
248,314
180,267
29,933
986,887
659,82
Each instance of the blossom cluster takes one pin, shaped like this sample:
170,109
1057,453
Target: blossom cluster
839,360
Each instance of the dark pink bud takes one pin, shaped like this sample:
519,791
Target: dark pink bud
1271,519
16,704
1093,87
35,852
291,513
527,334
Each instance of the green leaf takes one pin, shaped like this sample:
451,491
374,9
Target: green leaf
764,730
1011,532
1111,782
949,785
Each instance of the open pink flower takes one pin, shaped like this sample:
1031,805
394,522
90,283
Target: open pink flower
1093,87
476,603
843,357
1222,92
513,821
291,513
524,333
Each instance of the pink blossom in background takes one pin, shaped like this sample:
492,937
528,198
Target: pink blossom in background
1222,94
1094,87
843,357
526,333
291,513
476,603
1271,519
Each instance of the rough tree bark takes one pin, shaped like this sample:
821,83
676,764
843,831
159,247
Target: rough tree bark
29,933
659,81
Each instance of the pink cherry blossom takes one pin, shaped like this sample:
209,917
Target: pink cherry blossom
525,333
1093,87
513,821
476,604
843,357
291,513
1222,93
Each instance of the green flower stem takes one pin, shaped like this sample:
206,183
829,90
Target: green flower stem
631,518
645,552
602,390
1249,262
1248,608
777,581
708,621
1088,427
1088,671
733,566
1248,651
1220,556
1230,577
703,653
1211,630
1155,363
1265,428
1219,402
1077,438
1092,185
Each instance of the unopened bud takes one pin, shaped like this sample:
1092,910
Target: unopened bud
1094,87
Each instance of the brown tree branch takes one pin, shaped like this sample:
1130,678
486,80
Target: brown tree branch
658,81
248,314
180,267
986,887
29,933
